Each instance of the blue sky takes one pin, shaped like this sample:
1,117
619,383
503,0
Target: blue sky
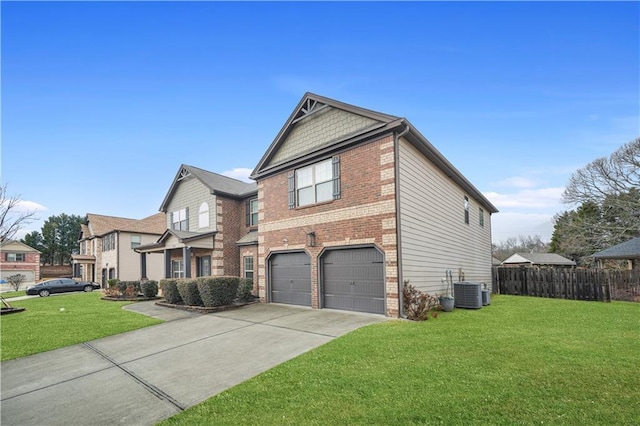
102,102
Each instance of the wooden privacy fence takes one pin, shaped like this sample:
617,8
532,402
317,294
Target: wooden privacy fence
565,283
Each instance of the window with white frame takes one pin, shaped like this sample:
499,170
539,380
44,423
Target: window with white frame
481,216
15,257
177,268
109,242
314,184
136,240
466,210
248,267
180,220
203,216
252,212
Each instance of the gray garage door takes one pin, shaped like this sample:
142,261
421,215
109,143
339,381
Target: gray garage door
291,278
353,280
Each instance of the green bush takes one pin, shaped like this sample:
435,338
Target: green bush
122,286
188,290
128,288
170,291
149,288
112,282
244,290
218,291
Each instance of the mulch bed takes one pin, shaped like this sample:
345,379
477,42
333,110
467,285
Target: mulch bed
129,298
205,310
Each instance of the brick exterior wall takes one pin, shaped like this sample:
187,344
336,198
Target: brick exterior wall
31,263
364,215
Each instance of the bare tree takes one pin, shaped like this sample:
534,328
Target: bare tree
11,218
16,281
618,174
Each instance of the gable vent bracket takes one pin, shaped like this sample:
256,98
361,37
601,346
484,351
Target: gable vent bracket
308,108
184,173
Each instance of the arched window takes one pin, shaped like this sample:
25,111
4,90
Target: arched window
203,216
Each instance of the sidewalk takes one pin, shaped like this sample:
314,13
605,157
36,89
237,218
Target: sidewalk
146,375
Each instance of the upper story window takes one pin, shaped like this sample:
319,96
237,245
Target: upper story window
203,216
83,247
315,183
109,242
15,257
481,216
136,240
466,210
251,212
180,220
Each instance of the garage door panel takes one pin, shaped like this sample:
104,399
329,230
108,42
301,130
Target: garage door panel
353,279
291,279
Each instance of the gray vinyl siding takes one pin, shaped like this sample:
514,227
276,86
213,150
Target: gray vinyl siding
433,234
129,260
190,192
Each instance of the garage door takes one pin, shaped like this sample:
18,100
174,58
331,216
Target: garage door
291,278
353,280
29,274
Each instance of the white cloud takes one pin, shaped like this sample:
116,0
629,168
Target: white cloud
239,173
512,224
527,198
24,206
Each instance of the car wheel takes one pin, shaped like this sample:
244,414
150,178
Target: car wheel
44,293
88,288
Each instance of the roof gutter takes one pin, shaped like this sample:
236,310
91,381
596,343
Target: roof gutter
396,154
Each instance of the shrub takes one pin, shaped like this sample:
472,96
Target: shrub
112,282
149,288
418,304
218,291
16,280
244,290
189,293
170,291
122,287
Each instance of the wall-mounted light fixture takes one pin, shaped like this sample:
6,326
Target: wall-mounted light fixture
311,239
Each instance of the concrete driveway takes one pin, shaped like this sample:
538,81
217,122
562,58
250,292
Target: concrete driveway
146,375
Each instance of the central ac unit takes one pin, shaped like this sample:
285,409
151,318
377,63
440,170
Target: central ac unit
467,295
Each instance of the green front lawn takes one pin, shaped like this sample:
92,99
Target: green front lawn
9,294
519,361
43,326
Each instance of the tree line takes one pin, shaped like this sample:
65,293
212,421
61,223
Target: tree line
606,196
58,239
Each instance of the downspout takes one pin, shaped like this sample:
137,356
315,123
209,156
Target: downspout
396,154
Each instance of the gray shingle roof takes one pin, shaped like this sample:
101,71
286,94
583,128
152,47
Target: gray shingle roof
627,250
541,259
221,183
251,238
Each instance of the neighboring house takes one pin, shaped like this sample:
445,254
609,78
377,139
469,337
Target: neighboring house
537,259
353,202
19,258
629,251
211,224
106,248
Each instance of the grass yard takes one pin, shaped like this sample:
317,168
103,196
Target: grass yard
521,360
43,327
9,294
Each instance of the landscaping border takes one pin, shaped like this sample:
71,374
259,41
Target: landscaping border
205,310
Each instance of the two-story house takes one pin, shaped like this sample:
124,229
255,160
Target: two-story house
210,226
19,258
352,202
107,248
